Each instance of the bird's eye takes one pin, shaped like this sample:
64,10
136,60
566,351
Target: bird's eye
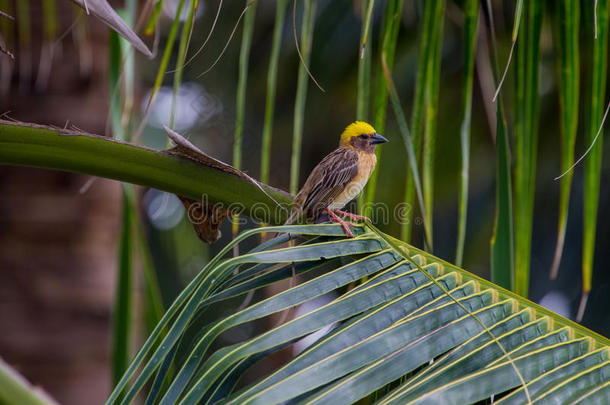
364,136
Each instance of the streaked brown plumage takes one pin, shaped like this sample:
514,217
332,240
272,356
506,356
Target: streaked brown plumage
339,177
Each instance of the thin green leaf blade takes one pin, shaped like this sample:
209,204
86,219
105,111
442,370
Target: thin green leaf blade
471,13
592,169
431,110
123,312
307,30
364,62
280,13
411,153
169,46
526,140
242,82
408,358
185,38
366,351
502,256
388,38
567,30
501,377
557,376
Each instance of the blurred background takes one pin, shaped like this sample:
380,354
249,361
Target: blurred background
59,231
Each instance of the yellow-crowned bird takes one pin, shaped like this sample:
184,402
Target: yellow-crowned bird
339,177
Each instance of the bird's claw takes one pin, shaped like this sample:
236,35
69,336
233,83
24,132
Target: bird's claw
355,217
344,224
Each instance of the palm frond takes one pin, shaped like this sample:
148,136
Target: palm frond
455,338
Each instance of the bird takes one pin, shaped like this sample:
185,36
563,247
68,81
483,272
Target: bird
339,177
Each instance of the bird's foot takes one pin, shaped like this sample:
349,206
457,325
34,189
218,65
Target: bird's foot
349,215
345,224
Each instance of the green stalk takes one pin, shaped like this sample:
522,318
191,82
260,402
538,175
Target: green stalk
185,39
153,301
389,37
122,67
242,82
122,309
123,318
364,63
364,75
432,90
60,149
166,53
526,140
471,13
154,17
567,31
280,13
307,28
502,245
599,67
119,114
114,86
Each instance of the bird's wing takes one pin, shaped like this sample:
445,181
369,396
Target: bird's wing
327,180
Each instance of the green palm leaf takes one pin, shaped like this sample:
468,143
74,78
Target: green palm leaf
435,332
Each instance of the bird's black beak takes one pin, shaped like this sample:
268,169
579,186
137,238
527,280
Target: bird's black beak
377,139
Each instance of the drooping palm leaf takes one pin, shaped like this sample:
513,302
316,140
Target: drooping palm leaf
526,139
304,49
567,16
185,39
431,29
123,305
120,69
242,83
598,48
364,62
385,330
169,46
280,13
410,149
502,242
388,40
433,66
471,23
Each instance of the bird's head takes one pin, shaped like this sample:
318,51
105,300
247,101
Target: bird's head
361,136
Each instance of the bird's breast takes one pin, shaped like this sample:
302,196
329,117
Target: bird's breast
366,165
